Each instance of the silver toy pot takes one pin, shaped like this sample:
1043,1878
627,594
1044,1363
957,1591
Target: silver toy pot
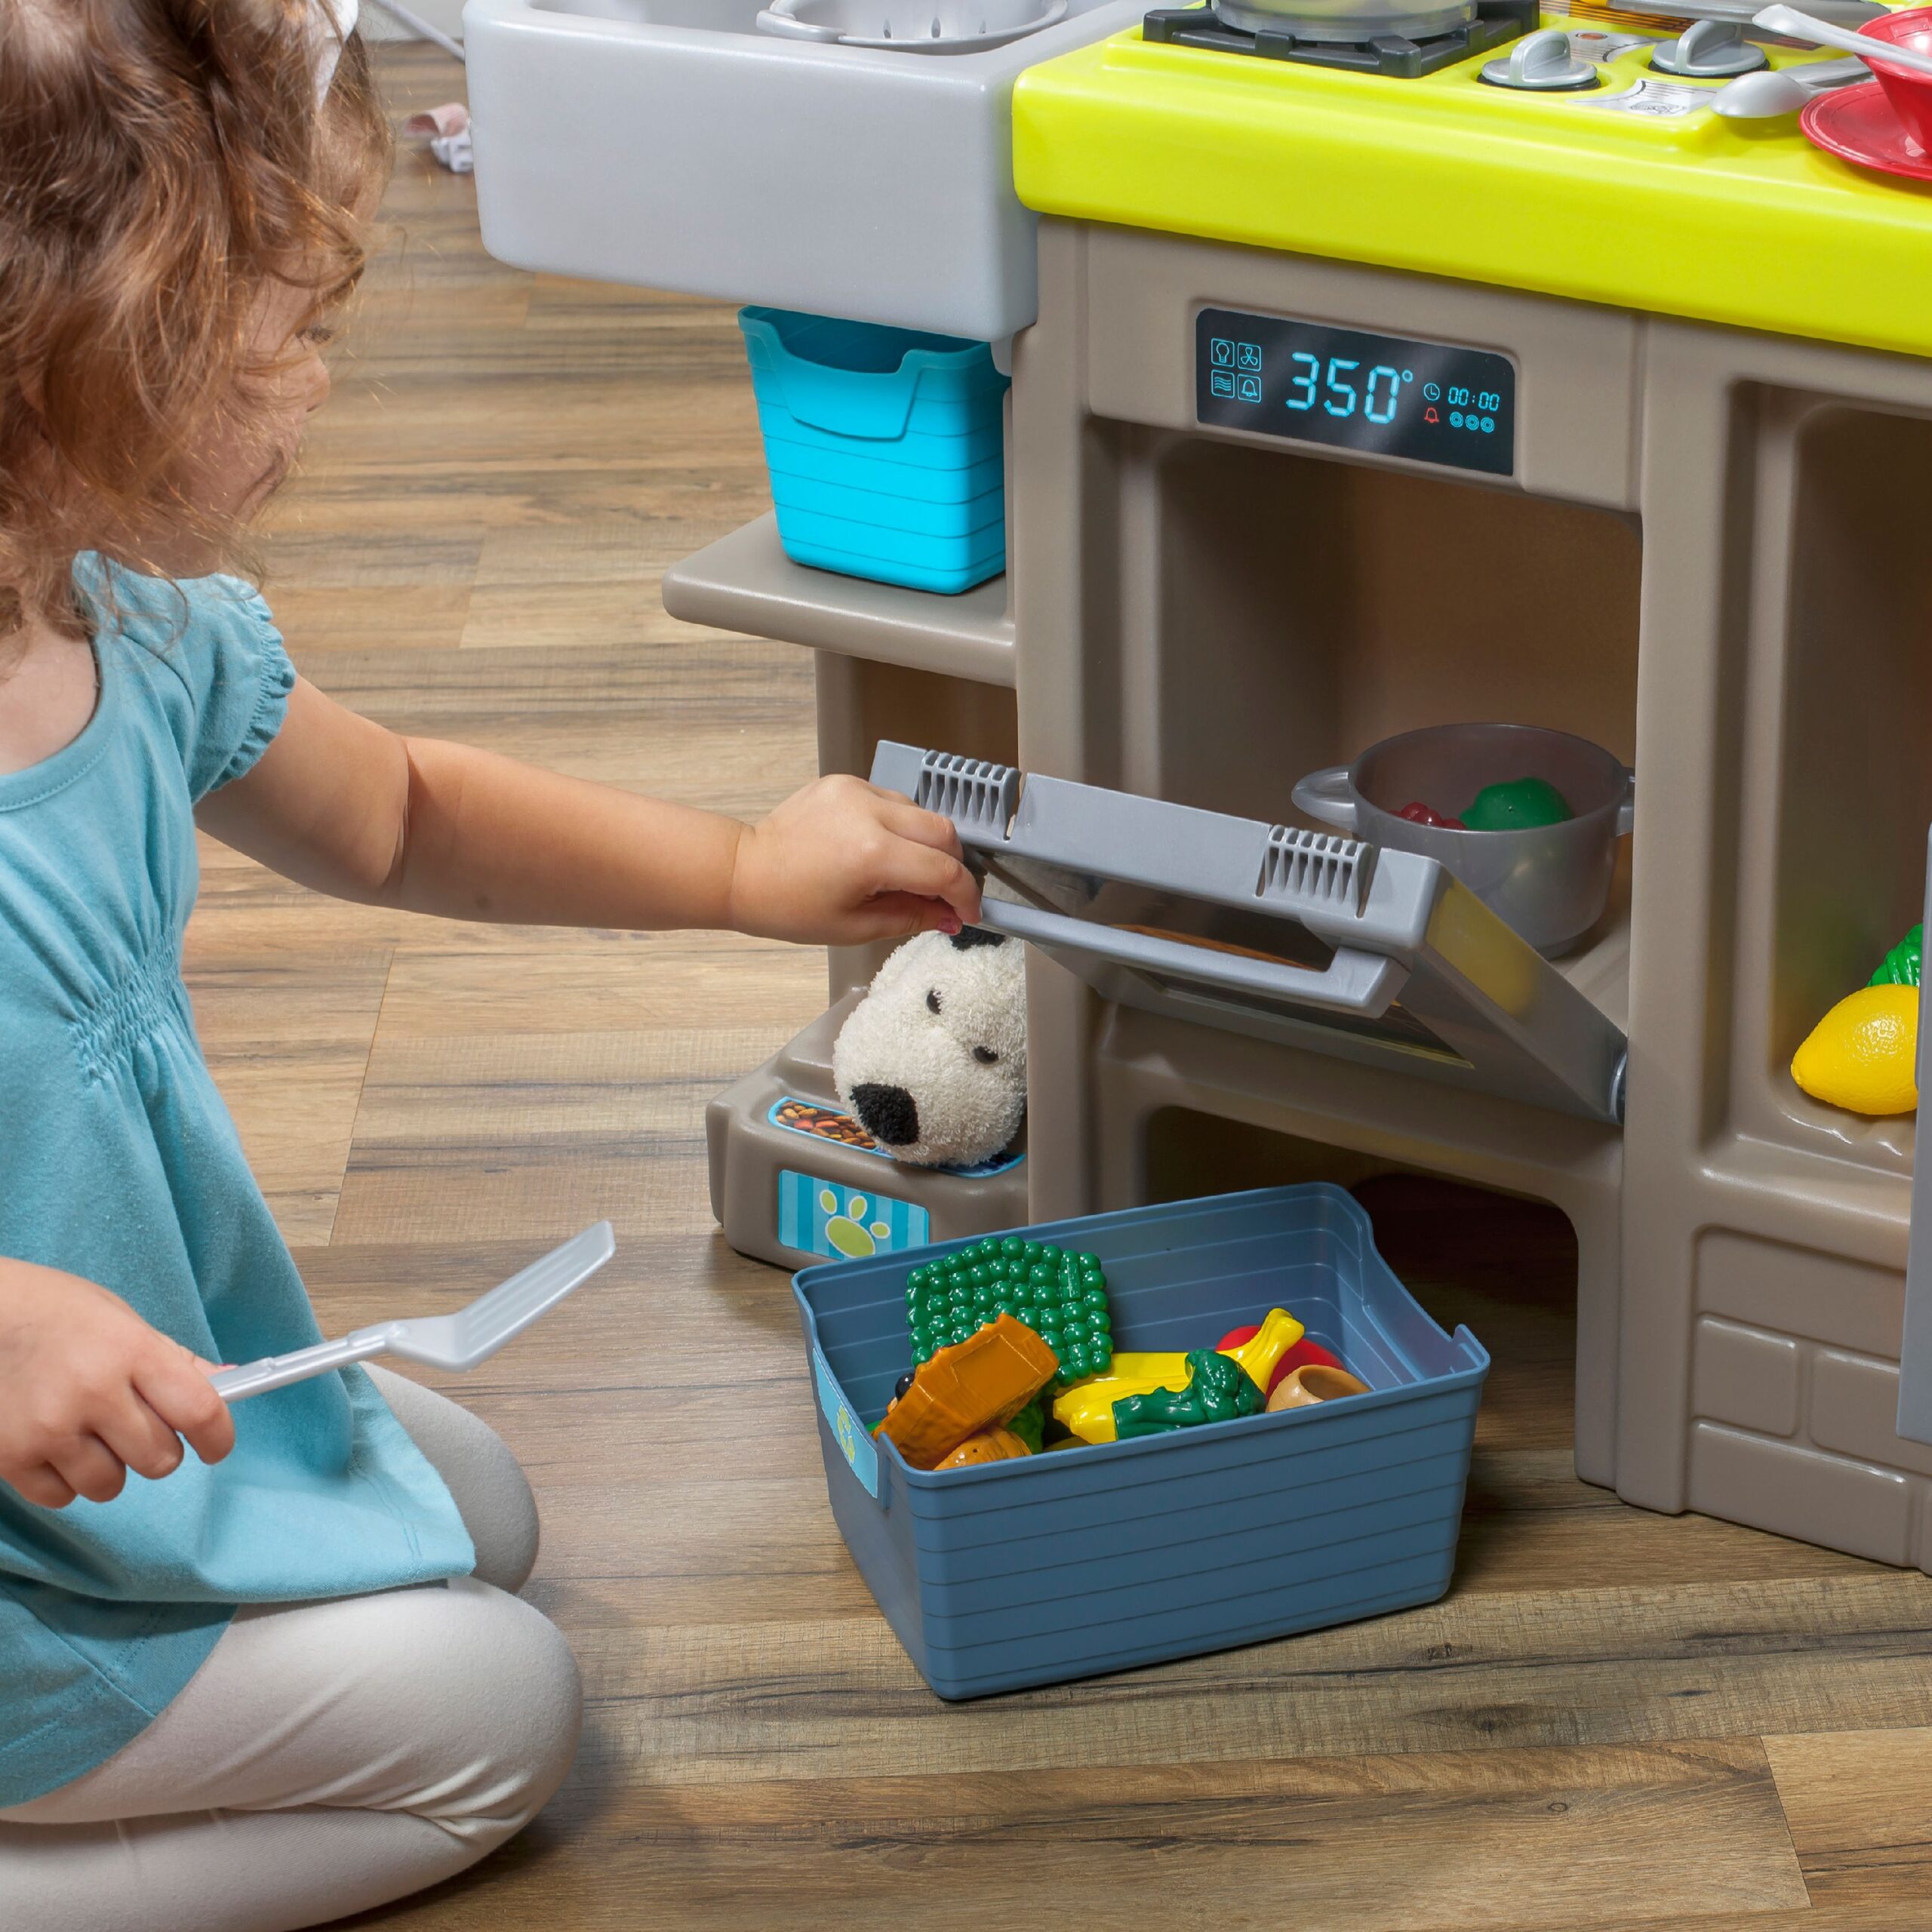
1344,20
1550,882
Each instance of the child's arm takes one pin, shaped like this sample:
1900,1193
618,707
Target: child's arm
345,806
88,1391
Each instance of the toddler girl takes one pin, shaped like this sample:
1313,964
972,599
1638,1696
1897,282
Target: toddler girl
286,1677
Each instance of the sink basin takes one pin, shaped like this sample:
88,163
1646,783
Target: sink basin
670,142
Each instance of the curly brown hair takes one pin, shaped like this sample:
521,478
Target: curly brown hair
164,164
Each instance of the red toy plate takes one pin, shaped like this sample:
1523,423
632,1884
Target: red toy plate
1859,124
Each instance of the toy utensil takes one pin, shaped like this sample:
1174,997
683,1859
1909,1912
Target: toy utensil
1841,13
1772,92
456,1342
1795,25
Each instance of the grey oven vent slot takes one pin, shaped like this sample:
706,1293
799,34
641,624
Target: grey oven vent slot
1318,868
974,793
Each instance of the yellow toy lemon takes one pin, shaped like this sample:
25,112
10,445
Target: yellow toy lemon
1863,1055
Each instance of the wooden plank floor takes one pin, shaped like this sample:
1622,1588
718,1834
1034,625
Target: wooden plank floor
1615,1720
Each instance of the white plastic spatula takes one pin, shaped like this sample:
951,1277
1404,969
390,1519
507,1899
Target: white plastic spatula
456,1342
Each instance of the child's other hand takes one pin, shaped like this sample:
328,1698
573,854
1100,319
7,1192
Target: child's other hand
843,861
88,1391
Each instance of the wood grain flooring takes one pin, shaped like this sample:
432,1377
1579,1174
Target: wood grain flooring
1615,1720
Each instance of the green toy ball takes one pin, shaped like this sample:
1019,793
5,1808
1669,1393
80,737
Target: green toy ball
1519,805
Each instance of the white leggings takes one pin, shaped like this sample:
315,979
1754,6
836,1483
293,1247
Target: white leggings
329,1757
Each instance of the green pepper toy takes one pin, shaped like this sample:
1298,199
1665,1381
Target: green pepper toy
1517,805
1900,967
1218,1390
1030,1424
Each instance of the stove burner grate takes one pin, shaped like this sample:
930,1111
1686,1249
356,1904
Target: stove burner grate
1391,54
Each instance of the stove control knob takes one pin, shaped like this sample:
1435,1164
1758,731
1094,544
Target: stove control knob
1709,50
1541,63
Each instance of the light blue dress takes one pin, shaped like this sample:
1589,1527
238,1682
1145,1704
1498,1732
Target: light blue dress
118,1162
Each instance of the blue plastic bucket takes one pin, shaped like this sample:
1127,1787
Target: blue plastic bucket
885,448
1066,1565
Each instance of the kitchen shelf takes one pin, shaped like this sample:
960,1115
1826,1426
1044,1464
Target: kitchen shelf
746,582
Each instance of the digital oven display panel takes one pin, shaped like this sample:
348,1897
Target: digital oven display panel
1383,394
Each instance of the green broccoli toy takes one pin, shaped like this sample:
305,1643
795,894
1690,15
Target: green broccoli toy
1218,1390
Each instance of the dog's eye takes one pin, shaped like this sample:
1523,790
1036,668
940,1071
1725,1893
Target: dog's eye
932,1000
985,1056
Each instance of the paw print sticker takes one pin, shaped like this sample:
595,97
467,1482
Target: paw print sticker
820,1217
848,1232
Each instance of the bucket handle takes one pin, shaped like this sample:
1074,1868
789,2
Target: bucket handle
1325,794
1626,813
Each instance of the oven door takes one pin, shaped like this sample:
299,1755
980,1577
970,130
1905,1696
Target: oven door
1302,937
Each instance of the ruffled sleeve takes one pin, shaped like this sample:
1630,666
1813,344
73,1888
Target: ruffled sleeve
222,671
246,698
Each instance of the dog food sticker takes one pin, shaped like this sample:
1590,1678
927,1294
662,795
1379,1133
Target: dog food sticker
843,1223
818,1123
847,1430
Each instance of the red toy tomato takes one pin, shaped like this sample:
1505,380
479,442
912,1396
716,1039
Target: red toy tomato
1301,1353
1416,812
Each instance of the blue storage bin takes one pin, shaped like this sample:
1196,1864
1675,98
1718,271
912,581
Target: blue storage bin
1079,1560
885,448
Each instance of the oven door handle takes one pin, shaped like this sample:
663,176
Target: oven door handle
1352,982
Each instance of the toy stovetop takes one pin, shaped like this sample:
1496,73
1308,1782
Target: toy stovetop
1633,193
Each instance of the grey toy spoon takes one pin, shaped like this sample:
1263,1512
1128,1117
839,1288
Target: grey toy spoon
1773,91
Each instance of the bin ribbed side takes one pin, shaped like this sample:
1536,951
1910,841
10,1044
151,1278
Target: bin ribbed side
1087,1560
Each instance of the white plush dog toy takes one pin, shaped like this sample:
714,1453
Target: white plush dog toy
932,1061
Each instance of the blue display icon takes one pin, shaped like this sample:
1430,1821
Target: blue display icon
1390,396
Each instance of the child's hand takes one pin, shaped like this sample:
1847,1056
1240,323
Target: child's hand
88,1391
843,861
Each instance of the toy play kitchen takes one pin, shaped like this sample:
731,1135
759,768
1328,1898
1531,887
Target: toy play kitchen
1377,367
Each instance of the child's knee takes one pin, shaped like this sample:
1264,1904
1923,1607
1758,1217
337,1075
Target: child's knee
512,1664
482,1475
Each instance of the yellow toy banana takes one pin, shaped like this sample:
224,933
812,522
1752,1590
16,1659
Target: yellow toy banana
1087,1408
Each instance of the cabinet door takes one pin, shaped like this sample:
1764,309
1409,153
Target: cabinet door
1306,937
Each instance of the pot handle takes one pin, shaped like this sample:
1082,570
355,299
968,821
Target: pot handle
1626,813
1324,795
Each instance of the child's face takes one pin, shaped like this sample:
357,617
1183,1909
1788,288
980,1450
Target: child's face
249,451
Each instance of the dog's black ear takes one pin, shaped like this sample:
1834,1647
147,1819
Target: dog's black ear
969,936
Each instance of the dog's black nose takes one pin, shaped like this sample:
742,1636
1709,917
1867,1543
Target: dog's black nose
888,1114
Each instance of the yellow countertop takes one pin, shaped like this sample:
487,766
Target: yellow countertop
1687,214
